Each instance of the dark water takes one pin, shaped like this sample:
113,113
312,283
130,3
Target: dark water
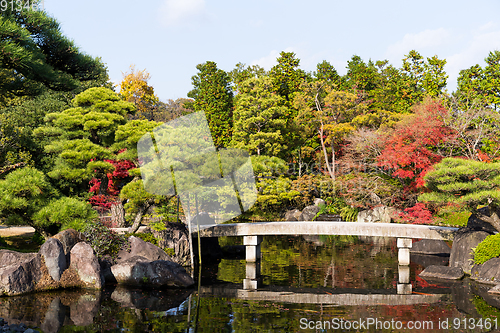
320,285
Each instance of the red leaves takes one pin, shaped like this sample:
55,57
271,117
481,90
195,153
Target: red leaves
115,181
418,214
411,150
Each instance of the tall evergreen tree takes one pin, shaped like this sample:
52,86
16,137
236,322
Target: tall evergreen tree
213,95
35,56
258,118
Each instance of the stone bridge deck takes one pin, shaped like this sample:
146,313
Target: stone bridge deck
327,228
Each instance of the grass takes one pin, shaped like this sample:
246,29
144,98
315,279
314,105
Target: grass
23,243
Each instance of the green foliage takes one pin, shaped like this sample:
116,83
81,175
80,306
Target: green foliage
103,240
35,56
487,249
136,195
286,76
349,214
479,86
259,118
79,137
453,216
485,310
463,182
65,213
22,194
212,94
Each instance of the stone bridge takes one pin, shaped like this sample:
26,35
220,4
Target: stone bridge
252,234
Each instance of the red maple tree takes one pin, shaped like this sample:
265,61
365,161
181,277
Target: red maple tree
417,144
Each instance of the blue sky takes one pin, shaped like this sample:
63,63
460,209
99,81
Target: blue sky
169,38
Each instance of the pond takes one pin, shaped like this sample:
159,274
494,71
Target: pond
319,284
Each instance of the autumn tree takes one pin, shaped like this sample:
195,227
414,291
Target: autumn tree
259,118
417,143
213,95
135,89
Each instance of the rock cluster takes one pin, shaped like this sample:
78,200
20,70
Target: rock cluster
307,214
461,261
65,261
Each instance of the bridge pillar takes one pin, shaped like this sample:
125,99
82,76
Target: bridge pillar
252,246
404,246
404,285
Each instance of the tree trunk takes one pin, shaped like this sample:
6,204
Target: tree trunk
103,188
118,215
138,216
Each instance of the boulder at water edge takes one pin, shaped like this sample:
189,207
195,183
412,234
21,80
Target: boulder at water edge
140,272
19,272
442,272
140,248
461,252
52,252
85,264
488,272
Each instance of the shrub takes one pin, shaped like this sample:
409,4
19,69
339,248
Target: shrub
349,214
487,249
65,213
103,240
418,214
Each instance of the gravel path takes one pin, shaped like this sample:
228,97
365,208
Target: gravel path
6,231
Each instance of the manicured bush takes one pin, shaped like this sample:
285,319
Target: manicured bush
487,249
103,240
65,213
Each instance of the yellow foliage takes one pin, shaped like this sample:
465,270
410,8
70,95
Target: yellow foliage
135,89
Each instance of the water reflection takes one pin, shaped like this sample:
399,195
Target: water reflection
301,280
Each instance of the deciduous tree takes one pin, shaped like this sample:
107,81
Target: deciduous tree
135,89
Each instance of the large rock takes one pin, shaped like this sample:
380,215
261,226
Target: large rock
140,248
292,215
52,252
431,246
86,265
309,213
68,239
8,257
381,214
19,277
477,221
140,272
319,201
461,251
488,272
442,272
175,236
